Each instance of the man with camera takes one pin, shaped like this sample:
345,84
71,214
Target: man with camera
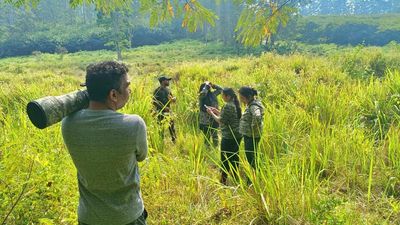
106,147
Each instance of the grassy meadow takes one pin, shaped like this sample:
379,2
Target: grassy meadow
330,153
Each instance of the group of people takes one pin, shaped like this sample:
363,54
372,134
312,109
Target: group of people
234,124
106,146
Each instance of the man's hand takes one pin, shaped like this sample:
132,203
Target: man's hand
209,85
172,98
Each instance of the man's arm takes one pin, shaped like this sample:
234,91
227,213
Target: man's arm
171,97
141,140
156,99
218,89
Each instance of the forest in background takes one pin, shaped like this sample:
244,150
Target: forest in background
53,27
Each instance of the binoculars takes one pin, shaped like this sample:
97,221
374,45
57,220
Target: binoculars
49,110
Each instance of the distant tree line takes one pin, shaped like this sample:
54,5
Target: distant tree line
350,7
343,30
54,27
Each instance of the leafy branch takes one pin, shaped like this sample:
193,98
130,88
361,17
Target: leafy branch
260,20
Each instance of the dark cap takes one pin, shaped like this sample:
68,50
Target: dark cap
163,78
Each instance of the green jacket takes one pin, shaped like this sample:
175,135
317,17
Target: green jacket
229,121
161,99
251,123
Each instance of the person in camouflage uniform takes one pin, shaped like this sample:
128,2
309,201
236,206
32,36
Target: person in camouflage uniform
228,118
208,98
162,99
251,123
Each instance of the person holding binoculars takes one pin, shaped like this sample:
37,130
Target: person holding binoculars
208,93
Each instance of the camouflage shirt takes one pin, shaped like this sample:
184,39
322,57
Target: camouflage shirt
161,99
209,99
251,123
229,121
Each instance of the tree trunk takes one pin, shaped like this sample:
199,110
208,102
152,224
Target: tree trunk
119,53
206,28
116,25
84,13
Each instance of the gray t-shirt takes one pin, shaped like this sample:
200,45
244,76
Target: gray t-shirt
105,147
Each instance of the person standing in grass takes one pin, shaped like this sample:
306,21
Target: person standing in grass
162,99
228,118
208,93
251,123
106,147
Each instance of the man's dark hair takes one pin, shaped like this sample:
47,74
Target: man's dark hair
102,77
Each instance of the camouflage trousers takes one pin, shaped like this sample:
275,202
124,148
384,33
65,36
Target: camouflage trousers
210,133
251,149
171,126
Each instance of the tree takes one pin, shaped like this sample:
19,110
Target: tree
117,30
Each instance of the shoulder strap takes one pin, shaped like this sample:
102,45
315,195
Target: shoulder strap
256,104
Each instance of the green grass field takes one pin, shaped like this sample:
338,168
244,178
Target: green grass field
330,153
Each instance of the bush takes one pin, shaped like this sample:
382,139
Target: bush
343,30
368,61
283,47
